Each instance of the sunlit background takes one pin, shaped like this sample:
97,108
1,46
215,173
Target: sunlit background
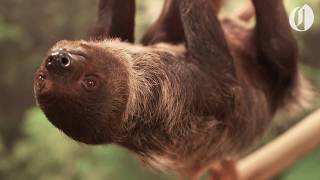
31,148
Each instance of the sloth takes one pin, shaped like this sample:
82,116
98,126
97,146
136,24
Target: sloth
197,90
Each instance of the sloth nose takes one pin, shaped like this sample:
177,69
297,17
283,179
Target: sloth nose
59,61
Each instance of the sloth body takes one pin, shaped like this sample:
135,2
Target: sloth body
172,111
179,107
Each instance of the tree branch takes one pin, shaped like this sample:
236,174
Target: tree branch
278,155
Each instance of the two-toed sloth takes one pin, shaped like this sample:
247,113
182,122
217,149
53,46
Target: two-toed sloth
198,90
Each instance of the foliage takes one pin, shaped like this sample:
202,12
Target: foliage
45,153
308,168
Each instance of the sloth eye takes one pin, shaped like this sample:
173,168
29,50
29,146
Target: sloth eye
90,83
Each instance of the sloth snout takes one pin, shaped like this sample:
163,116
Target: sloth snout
59,61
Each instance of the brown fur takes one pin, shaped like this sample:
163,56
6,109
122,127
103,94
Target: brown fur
179,107
113,22
168,27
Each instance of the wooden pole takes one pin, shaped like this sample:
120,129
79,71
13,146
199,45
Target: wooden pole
278,155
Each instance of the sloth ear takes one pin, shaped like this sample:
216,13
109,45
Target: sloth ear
115,20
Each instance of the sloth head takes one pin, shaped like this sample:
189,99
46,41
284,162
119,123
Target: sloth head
82,89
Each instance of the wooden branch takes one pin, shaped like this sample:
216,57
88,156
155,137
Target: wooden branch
278,155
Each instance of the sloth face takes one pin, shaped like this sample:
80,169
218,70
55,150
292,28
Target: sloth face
78,86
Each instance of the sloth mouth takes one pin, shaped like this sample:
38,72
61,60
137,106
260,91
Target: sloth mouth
40,82
45,98
43,89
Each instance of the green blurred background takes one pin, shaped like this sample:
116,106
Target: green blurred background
31,148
